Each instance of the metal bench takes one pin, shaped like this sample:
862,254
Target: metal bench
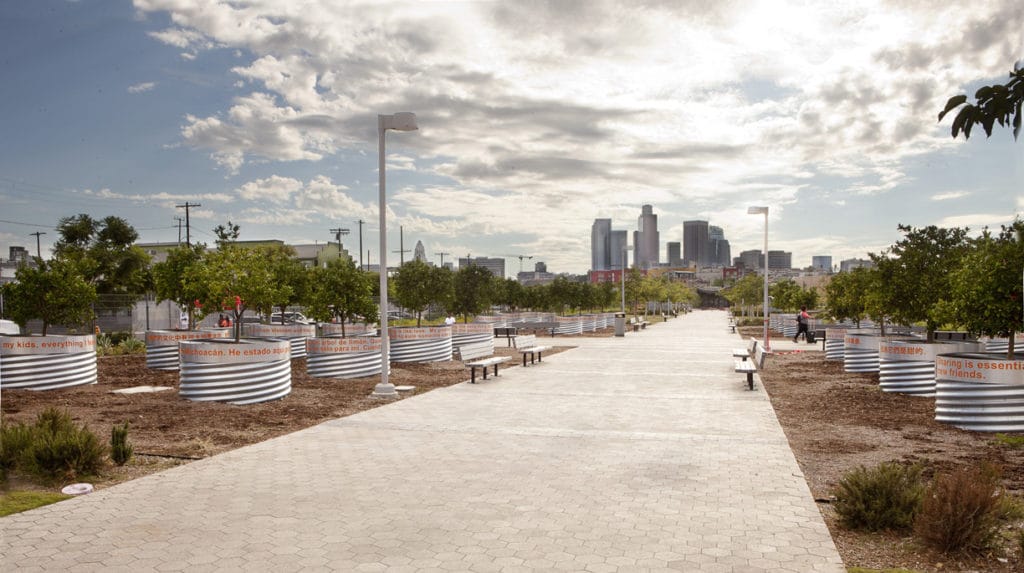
506,332
527,344
750,367
469,353
742,353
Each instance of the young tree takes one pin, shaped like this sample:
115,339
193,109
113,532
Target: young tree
914,274
226,233
749,290
473,291
289,271
104,252
417,285
605,295
987,289
634,288
853,296
341,290
53,291
509,293
171,283
237,279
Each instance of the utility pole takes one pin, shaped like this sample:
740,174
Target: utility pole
337,236
401,246
188,227
179,220
361,222
442,257
38,252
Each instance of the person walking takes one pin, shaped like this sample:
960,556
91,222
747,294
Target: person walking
803,321
450,320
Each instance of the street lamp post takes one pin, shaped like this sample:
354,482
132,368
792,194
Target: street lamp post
625,265
759,211
402,121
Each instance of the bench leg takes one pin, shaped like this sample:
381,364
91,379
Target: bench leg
495,369
472,374
750,380
524,360
485,372
540,357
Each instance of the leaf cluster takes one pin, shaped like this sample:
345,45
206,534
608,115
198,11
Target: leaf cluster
997,103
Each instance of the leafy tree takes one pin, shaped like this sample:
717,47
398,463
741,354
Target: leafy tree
417,285
226,233
634,288
288,271
473,291
915,274
342,291
987,289
561,295
605,295
237,279
853,296
170,279
104,252
748,290
509,293
53,291
652,289
789,296
998,103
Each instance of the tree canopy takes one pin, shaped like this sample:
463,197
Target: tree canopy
104,252
340,290
53,291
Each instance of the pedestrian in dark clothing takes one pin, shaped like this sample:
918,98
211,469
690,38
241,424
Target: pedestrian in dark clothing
803,321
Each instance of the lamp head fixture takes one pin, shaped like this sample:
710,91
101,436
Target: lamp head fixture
757,210
401,121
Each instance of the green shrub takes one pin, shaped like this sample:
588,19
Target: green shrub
131,345
104,345
15,440
1010,441
53,420
884,497
61,450
961,510
120,448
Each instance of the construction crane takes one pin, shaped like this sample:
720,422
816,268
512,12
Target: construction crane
520,257
442,255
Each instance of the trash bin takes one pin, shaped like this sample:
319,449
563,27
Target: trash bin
620,324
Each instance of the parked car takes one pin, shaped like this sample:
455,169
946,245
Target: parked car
9,327
289,318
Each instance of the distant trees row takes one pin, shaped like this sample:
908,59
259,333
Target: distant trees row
98,257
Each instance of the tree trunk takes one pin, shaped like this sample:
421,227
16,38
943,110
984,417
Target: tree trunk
1009,347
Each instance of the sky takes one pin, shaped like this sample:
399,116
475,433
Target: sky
534,118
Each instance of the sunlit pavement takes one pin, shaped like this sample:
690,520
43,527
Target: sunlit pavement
625,454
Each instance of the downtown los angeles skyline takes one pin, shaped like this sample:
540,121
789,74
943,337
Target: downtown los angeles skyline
535,120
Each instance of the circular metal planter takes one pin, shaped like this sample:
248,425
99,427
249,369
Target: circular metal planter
492,321
860,352
245,372
588,322
835,342
162,345
296,334
908,366
473,332
568,325
420,344
348,357
358,329
47,362
980,392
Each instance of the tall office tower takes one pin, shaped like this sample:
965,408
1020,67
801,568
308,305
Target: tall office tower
675,258
822,263
600,244
780,260
752,259
723,253
493,264
419,253
716,233
646,240
696,244
619,255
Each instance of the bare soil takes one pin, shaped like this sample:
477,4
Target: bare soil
834,422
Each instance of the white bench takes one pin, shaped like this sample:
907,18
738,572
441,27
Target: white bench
742,353
469,353
637,324
749,367
527,344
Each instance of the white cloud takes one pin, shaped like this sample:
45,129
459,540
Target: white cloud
976,220
141,87
949,195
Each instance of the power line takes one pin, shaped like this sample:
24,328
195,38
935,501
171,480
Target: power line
188,228
28,224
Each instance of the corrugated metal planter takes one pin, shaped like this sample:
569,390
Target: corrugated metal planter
348,357
835,341
420,344
245,372
162,345
473,332
980,392
860,352
908,366
588,322
358,329
47,362
492,321
296,334
568,325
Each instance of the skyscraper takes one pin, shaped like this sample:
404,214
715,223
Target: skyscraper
646,240
493,264
419,253
696,242
619,255
600,245
675,258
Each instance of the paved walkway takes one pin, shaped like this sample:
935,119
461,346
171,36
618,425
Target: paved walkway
625,454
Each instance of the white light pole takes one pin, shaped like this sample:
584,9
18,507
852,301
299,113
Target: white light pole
625,264
402,121
758,211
